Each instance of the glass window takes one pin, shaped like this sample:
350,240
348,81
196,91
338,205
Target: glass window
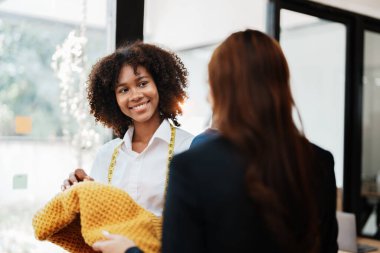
371,135
315,49
46,50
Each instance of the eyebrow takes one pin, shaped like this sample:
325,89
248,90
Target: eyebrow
141,77
138,78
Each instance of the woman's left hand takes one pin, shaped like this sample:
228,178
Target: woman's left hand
113,244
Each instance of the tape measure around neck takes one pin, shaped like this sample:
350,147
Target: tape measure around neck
115,153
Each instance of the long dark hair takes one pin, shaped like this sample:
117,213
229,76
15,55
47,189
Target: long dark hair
253,107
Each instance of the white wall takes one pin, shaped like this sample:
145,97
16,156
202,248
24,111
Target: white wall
193,29
180,24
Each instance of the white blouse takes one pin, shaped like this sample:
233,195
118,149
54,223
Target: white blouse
141,175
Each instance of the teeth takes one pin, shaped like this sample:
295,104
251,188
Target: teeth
139,106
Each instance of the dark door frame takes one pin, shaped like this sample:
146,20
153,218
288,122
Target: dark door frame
129,21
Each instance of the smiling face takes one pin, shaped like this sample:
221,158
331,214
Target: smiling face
137,95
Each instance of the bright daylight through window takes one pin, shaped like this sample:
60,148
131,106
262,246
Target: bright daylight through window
46,50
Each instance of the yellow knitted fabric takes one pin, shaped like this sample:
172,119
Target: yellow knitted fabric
74,219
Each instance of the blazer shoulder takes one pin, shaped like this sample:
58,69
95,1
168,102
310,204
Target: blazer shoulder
323,153
215,146
207,158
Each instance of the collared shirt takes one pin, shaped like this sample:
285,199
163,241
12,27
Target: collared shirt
141,175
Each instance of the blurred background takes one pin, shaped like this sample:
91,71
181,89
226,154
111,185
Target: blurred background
47,48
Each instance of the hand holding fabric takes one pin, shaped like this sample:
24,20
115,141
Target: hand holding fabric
113,244
79,175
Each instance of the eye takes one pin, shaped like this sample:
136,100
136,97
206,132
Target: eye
123,90
143,84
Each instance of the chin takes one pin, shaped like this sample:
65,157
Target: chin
142,119
145,117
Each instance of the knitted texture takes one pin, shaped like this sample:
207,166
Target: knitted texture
75,219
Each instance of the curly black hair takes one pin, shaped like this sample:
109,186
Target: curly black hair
166,69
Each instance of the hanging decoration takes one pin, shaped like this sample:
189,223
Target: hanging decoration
69,63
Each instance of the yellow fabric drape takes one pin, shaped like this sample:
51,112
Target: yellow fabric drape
74,219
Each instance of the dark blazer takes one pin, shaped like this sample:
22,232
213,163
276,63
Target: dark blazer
208,209
201,138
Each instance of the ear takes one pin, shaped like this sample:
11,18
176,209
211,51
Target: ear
210,97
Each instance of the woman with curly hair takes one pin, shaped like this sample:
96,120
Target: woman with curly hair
136,91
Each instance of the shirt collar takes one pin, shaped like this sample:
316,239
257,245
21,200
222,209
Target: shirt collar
162,132
127,139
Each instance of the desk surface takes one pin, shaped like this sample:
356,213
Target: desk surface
370,189
367,241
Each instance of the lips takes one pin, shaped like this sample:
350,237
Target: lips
140,106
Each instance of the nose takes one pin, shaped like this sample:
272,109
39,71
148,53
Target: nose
135,95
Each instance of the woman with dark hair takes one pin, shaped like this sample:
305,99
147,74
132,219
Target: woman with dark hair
137,91
257,186
260,185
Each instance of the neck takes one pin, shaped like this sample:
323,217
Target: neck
143,132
